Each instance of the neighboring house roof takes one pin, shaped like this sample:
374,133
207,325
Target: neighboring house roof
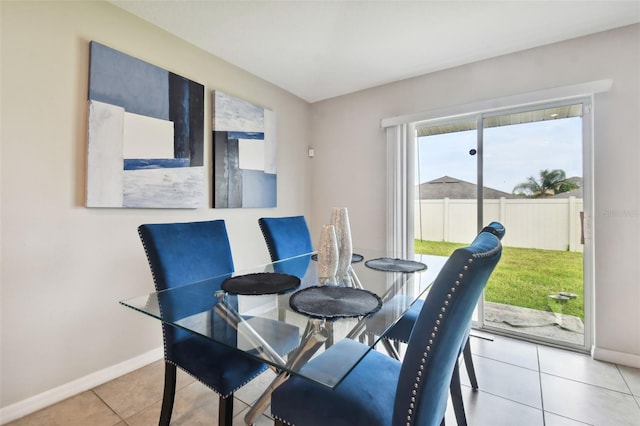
575,179
448,187
576,192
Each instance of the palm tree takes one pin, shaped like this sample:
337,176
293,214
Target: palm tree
551,182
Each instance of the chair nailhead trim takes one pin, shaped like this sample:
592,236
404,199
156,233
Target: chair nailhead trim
283,421
164,336
425,354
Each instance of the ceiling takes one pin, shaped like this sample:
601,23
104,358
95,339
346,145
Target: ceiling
322,49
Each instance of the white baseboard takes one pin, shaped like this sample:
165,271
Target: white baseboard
621,358
37,402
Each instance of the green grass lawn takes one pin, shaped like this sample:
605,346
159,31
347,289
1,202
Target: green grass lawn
526,277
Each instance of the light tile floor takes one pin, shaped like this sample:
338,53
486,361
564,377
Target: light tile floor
520,384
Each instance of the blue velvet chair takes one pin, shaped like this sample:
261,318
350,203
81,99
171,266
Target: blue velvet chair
181,253
382,391
401,331
287,237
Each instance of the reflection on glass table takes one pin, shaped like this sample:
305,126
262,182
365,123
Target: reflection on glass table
237,320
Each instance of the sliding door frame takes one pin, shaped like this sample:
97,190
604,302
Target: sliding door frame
401,138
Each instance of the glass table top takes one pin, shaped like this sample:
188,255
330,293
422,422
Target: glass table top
257,324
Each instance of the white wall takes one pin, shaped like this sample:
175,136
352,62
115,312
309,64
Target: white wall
65,267
349,167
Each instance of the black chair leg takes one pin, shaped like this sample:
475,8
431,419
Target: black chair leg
456,397
169,394
225,411
468,362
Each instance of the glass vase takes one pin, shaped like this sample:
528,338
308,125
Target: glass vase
340,220
327,255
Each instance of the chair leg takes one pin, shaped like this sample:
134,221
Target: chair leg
225,411
169,394
329,342
468,362
456,397
390,348
282,313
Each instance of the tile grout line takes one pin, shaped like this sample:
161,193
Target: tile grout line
507,363
626,383
544,417
501,396
588,384
108,406
541,373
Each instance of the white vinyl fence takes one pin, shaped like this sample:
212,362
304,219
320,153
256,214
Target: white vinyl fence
552,224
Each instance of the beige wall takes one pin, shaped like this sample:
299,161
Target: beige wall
65,267
351,145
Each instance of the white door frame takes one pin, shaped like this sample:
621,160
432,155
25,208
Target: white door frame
401,138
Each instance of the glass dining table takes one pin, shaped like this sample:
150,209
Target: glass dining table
232,310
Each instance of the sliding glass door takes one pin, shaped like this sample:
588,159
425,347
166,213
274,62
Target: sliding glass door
524,168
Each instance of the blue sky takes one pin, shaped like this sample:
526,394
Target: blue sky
512,153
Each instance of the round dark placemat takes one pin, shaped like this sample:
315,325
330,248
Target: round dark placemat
330,302
260,283
388,264
355,257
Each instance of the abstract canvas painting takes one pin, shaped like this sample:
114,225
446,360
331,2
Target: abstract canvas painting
244,153
146,134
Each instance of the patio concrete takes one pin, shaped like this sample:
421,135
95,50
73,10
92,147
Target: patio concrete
546,324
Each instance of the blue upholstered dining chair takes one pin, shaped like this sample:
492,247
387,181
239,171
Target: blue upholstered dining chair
401,331
382,391
178,254
287,237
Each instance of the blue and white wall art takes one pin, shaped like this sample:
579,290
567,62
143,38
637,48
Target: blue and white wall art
244,153
146,134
